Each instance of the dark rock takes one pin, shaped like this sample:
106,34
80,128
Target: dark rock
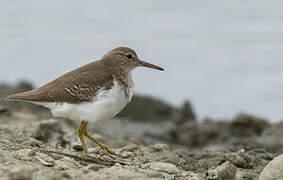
246,125
48,129
224,171
4,111
77,147
187,113
195,134
144,108
272,139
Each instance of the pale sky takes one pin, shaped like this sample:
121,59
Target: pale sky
223,55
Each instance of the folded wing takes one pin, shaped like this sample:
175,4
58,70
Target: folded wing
74,87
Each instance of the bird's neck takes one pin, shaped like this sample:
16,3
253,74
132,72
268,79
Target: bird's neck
124,78
130,80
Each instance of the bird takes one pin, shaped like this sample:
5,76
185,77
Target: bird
94,92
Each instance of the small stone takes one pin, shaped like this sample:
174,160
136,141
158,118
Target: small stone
66,163
20,174
242,150
225,171
151,173
94,167
45,159
94,150
130,147
189,175
127,154
77,146
5,111
163,167
160,147
35,143
24,154
66,175
241,160
273,170
246,174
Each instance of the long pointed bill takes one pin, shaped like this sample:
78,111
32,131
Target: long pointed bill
146,64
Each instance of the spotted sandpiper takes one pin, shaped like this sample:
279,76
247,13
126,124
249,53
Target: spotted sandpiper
94,92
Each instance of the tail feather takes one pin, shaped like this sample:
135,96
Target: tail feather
8,99
17,97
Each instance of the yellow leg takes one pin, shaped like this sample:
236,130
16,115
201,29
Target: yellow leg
82,131
80,134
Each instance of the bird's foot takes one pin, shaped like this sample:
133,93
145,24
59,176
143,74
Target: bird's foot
83,132
108,151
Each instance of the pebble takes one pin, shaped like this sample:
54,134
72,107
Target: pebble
45,159
66,163
224,171
24,154
160,147
93,167
130,147
241,160
163,167
5,111
77,146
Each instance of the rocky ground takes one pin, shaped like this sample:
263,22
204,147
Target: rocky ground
161,142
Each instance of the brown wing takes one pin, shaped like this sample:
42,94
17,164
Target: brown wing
80,85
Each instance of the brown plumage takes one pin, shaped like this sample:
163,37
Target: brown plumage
82,84
76,86
69,91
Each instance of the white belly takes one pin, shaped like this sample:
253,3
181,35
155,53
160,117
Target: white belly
106,105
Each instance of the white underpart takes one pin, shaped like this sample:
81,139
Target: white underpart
106,105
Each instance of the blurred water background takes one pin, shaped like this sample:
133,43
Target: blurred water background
225,56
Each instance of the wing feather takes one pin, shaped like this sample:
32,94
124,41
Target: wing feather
77,86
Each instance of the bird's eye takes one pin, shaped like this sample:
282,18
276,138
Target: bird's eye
129,56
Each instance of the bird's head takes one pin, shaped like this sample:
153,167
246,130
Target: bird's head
127,59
